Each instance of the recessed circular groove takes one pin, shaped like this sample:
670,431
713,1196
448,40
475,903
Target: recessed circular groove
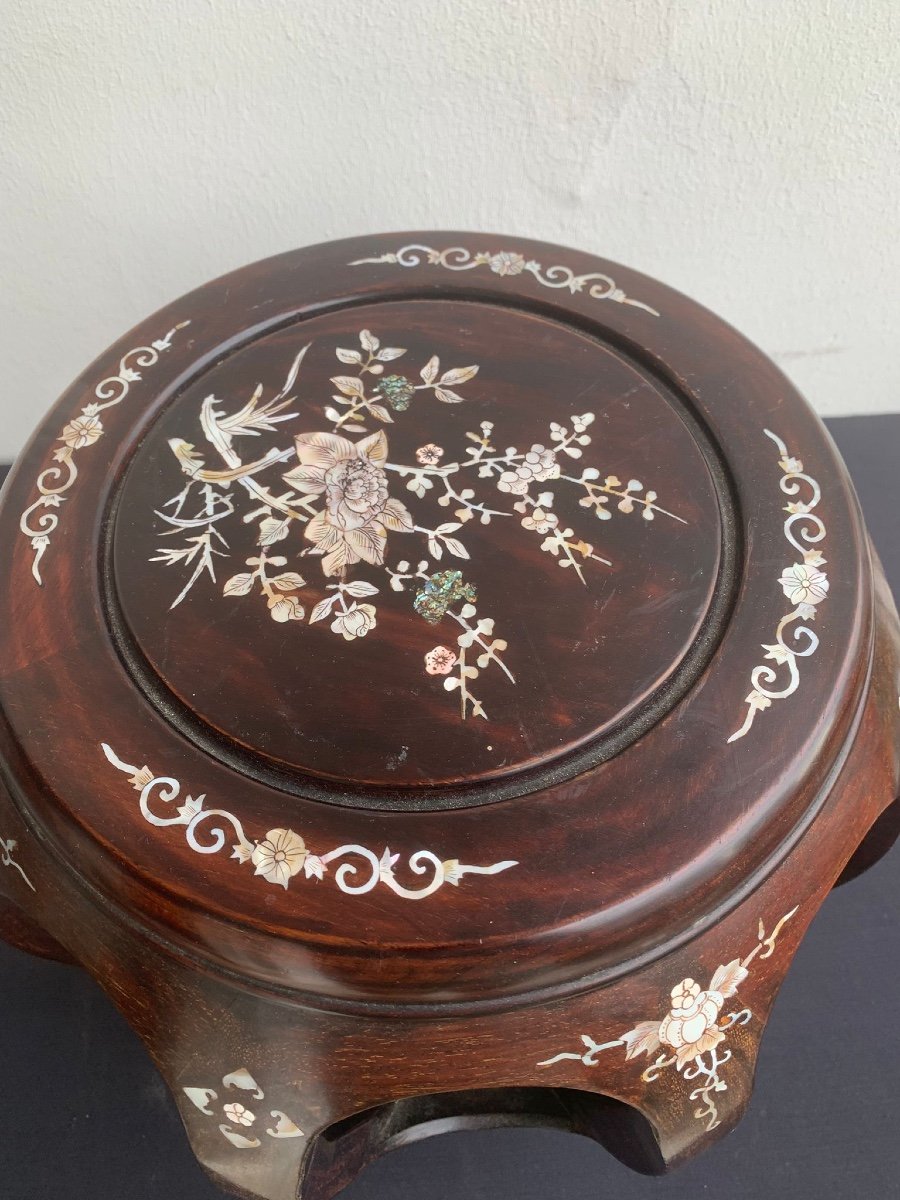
597,750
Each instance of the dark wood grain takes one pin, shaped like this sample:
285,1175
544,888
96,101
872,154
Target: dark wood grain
648,849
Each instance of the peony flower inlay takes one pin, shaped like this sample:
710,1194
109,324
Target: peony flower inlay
694,1028
358,512
355,622
690,1027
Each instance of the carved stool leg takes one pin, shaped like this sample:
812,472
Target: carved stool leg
875,845
23,934
341,1152
687,1071
671,1114
703,1101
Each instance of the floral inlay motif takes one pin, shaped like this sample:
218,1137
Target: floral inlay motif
689,1036
430,455
40,519
6,859
358,512
337,494
804,585
505,263
238,1114
440,661
282,854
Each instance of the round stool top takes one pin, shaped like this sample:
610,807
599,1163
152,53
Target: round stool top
417,543
429,590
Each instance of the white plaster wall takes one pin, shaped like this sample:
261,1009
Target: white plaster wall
744,151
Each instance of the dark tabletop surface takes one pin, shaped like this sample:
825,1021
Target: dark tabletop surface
84,1114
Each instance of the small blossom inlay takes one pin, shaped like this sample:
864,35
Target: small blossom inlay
238,1117
238,1114
430,455
440,661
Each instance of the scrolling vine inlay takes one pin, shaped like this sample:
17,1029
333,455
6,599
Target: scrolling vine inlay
804,584
40,520
6,859
508,262
282,853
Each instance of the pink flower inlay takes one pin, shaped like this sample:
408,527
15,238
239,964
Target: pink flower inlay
440,661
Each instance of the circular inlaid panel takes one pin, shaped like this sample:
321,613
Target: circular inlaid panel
407,544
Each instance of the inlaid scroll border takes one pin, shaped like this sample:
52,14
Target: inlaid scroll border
803,583
282,853
59,477
505,263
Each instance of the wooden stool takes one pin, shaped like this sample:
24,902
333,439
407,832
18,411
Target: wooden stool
441,678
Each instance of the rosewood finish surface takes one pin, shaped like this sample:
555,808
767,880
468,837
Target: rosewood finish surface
441,676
